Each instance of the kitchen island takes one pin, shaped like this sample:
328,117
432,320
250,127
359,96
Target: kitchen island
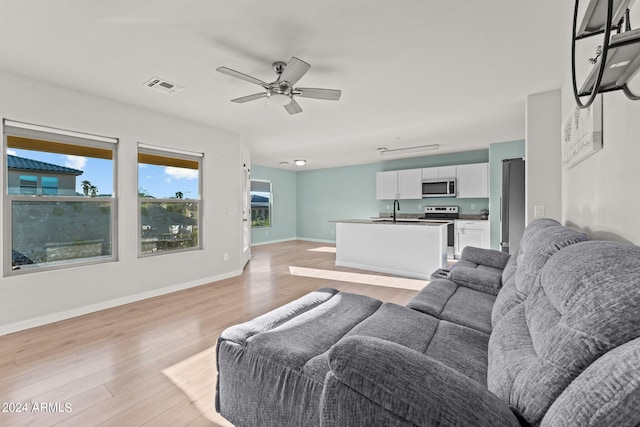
403,248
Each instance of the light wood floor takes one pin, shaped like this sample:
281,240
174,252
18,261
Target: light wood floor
152,363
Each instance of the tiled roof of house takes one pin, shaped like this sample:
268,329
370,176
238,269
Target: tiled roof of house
20,163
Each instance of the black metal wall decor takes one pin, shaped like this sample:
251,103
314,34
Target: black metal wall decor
617,58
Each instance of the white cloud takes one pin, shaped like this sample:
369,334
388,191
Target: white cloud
75,162
181,173
12,152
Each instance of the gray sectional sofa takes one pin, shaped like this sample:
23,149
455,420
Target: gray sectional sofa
548,336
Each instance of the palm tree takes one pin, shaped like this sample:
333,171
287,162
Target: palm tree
94,190
86,186
179,194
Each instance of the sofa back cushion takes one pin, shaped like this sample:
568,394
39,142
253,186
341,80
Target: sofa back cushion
532,228
584,303
607,393
542,238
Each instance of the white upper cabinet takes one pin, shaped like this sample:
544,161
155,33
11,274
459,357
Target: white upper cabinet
402,184
442,172
447,172
473,180
410,184
387,185
429,173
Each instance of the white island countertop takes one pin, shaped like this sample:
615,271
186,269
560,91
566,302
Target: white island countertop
408,247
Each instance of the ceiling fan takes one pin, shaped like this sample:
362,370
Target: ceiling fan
281,91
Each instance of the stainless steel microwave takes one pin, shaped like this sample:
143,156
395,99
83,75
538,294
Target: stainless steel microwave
439,188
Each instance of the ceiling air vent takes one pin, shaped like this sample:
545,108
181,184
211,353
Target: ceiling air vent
163,86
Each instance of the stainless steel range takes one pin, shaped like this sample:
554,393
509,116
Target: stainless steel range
444,213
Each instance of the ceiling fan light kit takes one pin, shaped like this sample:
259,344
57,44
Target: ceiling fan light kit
281,91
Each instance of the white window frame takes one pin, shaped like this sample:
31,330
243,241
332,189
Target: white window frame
177,154
270,204
20,129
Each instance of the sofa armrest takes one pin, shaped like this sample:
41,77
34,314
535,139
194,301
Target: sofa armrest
488,257
377,381
474,278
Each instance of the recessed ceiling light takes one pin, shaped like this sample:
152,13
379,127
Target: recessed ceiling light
300,162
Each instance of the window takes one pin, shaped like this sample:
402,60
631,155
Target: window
169,195
49,186
260,203
64,225
28,185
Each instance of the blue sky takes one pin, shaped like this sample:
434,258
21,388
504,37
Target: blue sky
159,181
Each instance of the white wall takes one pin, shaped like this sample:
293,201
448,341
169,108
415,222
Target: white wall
543,155
36,298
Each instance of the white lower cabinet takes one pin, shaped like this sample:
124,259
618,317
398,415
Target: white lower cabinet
470,233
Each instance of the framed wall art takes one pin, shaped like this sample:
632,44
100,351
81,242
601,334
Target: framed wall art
582,134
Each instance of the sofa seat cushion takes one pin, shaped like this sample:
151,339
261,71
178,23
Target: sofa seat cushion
449,301
456,346
273,367
584,303
260,361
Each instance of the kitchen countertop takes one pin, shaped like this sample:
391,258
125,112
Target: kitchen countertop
399,221
471,217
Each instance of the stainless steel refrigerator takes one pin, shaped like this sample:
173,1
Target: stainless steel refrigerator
512,207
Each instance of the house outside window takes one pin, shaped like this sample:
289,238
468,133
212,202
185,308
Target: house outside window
169,188
261,197
59,227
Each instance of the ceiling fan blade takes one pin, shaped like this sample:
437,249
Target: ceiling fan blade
241,76
295,69
310,92
250,97
293,107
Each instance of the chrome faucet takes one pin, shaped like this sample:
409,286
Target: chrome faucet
395,202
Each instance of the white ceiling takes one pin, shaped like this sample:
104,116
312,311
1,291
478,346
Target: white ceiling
412,72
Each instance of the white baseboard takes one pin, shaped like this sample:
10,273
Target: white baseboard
68,314
268,242
316,240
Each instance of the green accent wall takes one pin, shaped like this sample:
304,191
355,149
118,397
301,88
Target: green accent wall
498,152
326,195
283,209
